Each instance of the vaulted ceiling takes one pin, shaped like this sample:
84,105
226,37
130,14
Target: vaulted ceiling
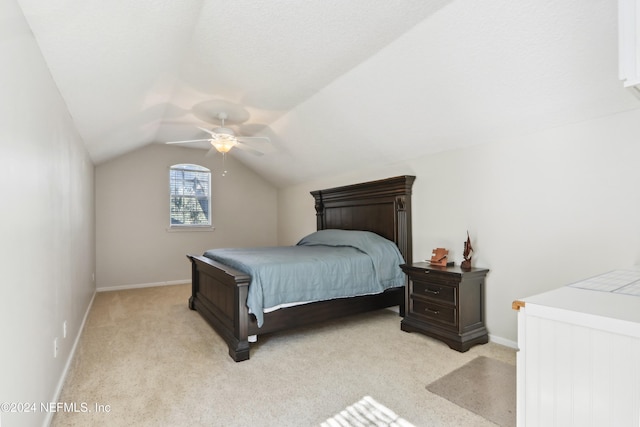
335,84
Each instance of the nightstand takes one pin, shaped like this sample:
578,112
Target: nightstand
446,303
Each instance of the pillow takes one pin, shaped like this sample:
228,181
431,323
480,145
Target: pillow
384,253
333,237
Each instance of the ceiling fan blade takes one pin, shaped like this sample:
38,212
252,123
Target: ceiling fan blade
187,141
251,150
210,132
263,138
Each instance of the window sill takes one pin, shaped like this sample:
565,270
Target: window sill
189,229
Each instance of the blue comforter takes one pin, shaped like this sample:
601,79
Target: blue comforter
324,265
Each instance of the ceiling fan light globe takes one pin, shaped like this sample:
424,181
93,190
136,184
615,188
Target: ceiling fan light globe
223,145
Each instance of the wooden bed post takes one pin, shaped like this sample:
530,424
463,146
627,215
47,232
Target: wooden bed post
239,343
319,211
195,281
403,228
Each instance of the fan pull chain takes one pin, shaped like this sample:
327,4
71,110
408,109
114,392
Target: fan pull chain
224,168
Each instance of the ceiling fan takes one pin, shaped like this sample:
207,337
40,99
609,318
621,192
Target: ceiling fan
223,139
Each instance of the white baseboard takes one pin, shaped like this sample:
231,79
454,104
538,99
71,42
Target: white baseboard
67,365
142,285
503,341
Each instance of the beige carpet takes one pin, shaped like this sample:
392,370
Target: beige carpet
485,386
154,362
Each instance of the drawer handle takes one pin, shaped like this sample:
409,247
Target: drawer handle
431,291
432,311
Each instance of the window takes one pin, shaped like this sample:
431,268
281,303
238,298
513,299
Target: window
190,196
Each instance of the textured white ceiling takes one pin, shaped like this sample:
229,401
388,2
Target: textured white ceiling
334,83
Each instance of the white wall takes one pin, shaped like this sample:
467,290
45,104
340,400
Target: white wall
132,203
543,210
47,225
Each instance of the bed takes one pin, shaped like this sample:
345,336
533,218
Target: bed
220,291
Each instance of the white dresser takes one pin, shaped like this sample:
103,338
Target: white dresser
578,362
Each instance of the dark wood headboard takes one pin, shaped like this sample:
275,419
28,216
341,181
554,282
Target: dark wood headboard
382,206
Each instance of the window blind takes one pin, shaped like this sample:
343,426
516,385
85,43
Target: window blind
190,195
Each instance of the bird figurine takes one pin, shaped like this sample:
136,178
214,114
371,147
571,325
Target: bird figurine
466,264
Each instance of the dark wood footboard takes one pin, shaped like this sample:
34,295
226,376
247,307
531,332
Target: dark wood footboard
219,294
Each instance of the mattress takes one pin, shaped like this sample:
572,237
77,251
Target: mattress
327,264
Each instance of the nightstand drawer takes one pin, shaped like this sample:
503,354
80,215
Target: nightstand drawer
435,291
433,276
434,312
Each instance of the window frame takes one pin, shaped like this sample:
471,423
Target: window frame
195,168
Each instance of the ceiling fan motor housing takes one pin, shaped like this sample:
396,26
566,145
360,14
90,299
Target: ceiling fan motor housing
224,131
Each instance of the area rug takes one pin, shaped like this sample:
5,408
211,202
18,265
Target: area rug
366,412
484,386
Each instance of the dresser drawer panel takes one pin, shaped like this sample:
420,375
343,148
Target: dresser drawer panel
433,312
435,291
440,277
